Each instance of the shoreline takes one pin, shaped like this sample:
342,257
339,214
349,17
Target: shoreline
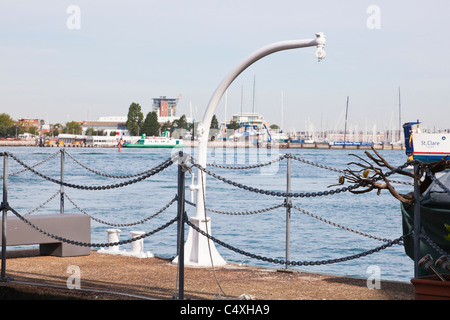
112,277
227,144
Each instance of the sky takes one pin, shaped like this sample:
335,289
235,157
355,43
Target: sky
80,60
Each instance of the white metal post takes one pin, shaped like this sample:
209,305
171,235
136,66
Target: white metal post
198,251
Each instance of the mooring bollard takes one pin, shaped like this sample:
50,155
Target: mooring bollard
137,246
113,237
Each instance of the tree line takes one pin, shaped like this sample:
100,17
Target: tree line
137,125
11,128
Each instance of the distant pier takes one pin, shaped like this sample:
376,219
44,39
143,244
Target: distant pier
292,145
221,144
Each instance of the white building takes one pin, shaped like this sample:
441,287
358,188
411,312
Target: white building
107,125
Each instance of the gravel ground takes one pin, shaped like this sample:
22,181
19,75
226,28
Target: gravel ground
109,277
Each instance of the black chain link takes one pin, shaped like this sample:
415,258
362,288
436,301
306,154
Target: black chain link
435,179
44,203
338,225
88,244
151,172
239,213
122,224
289,155
105,174
275,193
33,166
169,162
253,166
298,263
291,194
441,251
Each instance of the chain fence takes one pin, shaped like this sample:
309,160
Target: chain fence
88,244
288,195
164,165
134,178
141,176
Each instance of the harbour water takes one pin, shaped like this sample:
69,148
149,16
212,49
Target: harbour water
262,234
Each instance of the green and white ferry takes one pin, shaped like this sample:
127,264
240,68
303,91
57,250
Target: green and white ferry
155,142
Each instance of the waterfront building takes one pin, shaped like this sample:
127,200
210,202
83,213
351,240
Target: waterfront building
106,125
248,121
255,120
45,128
70,139
251,124
165,108
27,123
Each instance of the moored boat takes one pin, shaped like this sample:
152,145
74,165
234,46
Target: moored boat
155,142
423,146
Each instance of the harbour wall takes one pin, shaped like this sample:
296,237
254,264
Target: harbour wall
17,143
292,145
223,144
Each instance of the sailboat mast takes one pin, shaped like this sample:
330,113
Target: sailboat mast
282,106
399,116
346,113
226,106
242,93
254,81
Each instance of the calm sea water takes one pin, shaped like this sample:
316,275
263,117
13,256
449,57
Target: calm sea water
263,234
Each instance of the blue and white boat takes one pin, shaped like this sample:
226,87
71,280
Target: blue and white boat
423,146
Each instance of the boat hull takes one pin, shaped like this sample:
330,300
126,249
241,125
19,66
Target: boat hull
155,142
152,145
425,147
429,157
430,147
350,143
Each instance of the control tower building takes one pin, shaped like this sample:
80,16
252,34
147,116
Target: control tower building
165,108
